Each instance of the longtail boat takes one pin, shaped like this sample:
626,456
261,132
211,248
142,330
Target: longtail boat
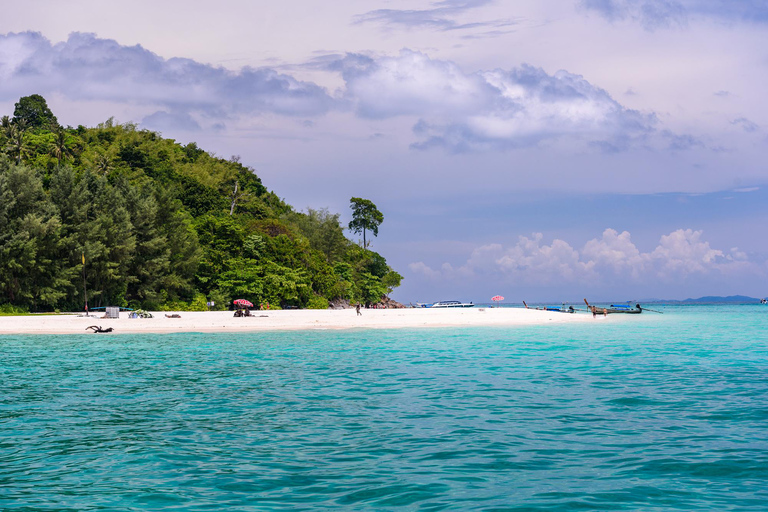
561,309
614,308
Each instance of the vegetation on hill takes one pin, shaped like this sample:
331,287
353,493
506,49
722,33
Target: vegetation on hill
159,225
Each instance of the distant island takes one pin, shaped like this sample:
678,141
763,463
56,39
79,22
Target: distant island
713,299
120,216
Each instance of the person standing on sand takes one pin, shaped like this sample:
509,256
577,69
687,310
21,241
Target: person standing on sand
357,308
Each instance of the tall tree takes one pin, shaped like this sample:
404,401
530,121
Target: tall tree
16,144
32,270
60,148
35,112
365,217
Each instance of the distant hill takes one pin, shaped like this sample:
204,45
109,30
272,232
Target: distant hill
717,299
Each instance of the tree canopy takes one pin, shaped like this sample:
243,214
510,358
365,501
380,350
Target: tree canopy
160,226
33,112
365,217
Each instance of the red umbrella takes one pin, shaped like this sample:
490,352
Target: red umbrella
497,298
243,302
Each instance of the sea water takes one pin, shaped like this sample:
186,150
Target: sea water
635,412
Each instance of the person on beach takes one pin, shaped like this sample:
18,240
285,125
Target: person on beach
357,308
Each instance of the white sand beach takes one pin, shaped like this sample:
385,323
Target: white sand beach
224,321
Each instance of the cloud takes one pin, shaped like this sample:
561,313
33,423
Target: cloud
442,16
162,121
86,67
745,124
488,109
452,109
681,142
655,14
612,257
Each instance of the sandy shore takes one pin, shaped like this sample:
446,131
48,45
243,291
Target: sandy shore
224,321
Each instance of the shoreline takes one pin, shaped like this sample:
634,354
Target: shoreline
286,320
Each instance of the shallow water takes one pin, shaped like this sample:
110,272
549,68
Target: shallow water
648,412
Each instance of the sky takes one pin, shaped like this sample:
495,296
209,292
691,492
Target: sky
543,151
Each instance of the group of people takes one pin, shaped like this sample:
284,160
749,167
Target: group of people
243,310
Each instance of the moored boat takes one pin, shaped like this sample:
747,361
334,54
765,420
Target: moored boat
451,304
561,309
614,308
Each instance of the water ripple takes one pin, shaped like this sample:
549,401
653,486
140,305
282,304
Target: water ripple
626,416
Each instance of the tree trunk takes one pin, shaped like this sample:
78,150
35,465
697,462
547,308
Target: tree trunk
234,199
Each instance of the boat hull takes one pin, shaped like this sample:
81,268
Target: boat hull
452,304
614,309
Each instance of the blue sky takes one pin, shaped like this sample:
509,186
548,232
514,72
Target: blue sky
538,150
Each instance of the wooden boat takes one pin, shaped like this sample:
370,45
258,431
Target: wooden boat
561,309
614,308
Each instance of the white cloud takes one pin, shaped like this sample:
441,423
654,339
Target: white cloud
451,108
412,84
86,67
615,252
683,252
550,263
610,258
487,109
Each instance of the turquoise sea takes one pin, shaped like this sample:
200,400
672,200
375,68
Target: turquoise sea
645,412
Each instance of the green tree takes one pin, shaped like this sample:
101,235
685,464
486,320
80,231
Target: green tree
35,112
5,130
16,142
162,224
150,261
60,148
391,280
365,217
323,230
32,269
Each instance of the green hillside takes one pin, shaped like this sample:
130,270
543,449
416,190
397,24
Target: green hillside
160,226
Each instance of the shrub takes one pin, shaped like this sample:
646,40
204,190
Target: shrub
317,302
9,309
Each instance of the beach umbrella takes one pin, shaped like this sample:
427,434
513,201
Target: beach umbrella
243,302
497,298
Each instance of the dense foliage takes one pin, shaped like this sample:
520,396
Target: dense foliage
159,225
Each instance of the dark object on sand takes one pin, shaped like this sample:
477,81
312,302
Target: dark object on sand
175,315
243,312
98,329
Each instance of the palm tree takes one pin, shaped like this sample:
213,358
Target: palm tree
103,163
5,129
17,143
60,148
